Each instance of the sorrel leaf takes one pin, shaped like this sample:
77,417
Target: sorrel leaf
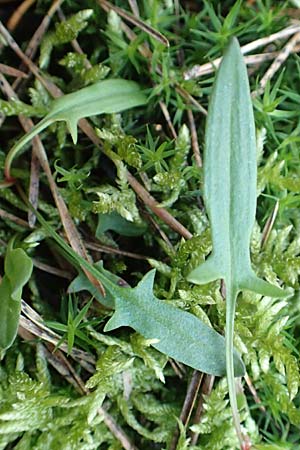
172,331
105,97
179,334
230,195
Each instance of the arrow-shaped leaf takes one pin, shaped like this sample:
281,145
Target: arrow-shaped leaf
105,97
172,331
230,195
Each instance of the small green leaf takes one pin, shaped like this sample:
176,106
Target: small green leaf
82,283
18,269
114,222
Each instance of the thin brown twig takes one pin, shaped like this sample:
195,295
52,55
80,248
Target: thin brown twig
207,386
116,251
63,366
11,71
269,225
34,183
68,365
198,70
55,359
166,113
194,138
76,354
146,52
254,393
162,213
41,30
188,404
178,368
156,227
48,84
116,430
8,216
136,21
50,269
134,8
190,99
17,15
32,321
142,48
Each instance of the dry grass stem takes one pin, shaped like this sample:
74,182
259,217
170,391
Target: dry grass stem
135,21
167,116
254,393
11,71
134,7
269,225
194,138
204,69
162,213
41,30
106,249
7,216
277,63
34,182
208,383
17,15
188,404
53,270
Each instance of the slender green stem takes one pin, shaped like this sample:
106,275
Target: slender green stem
231,296
15,150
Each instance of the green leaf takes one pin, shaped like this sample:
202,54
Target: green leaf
105,97
230,172
174,332
82,283
18,269
114,222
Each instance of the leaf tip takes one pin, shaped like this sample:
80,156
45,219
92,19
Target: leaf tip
72,127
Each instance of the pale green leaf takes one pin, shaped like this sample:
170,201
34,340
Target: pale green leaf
230,172
17,271
180,335
104,97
